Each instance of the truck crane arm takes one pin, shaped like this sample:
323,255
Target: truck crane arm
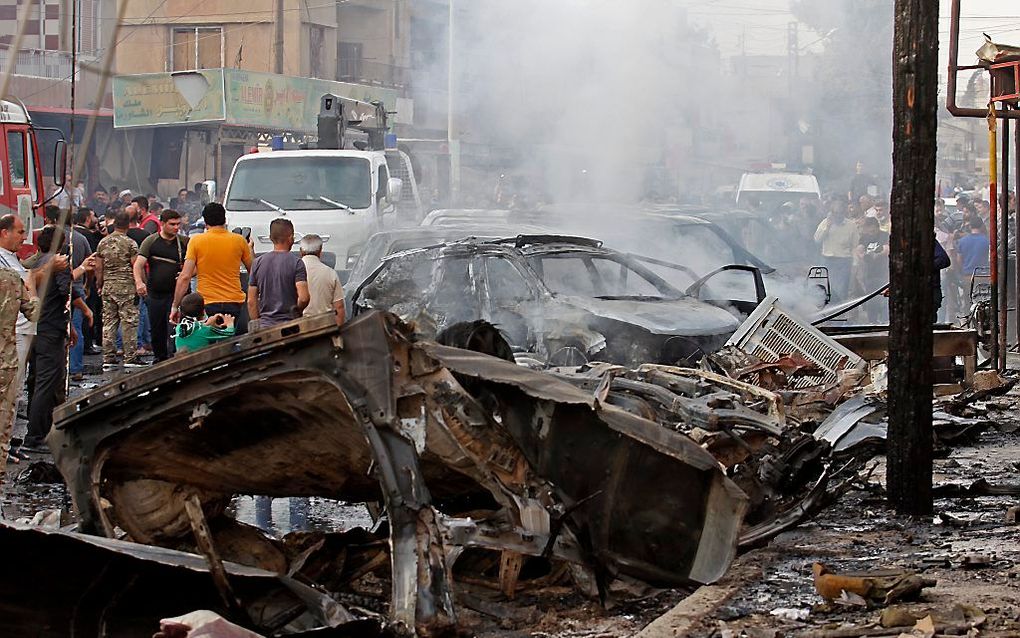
337,114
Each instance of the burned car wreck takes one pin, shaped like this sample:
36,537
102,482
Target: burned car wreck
561,300
369,413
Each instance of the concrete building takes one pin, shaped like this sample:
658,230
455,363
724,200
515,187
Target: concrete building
200,86
266,61
288,37
962,158
373,43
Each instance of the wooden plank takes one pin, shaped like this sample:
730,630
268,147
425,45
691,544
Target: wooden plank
874,346
694,615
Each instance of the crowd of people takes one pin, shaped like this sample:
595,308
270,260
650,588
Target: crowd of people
121,277
136,281
851,238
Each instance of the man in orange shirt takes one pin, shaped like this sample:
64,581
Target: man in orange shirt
216,257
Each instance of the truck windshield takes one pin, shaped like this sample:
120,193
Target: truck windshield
300,183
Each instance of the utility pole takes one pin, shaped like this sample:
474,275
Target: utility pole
793,154
1004,247
911,260
452,134
792,56
1016,224
74,85
278,42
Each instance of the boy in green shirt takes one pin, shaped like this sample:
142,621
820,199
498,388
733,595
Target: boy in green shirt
195,331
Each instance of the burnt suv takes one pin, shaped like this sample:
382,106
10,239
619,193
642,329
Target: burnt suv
556,298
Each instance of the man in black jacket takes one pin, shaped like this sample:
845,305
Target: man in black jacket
49,350
942,262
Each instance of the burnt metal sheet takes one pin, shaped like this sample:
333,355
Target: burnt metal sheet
646,515
847,426
771,332
367,412
291,411
92,586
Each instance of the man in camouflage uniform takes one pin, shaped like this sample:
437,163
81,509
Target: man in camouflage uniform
14,300
115,255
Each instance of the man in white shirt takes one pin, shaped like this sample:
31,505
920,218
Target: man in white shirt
838,237
12,236
62,196
324,289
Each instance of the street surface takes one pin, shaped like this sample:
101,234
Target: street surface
858,534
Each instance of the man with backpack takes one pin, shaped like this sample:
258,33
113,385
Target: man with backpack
163,254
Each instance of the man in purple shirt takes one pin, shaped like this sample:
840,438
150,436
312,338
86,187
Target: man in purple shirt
278,283
278,292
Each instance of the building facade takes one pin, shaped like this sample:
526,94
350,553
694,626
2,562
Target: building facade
260,68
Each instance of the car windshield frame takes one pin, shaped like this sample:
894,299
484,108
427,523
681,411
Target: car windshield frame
664,290
355,180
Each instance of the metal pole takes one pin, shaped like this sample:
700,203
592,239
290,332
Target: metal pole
1004,249
1016,227
187,152
74,79
278,41
74,177
993,229
452,135
955,68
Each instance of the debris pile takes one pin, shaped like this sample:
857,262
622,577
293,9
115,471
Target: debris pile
466,451
484,476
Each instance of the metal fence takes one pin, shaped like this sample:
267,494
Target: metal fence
41,63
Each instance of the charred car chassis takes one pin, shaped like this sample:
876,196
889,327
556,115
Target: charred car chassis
368,413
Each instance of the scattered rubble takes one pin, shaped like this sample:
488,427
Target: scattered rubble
882,587
596,481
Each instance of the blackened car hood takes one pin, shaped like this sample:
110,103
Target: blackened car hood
686,316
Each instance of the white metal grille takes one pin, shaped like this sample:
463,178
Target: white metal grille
770,332
410,200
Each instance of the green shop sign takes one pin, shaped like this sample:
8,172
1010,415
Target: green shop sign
241,98
153,99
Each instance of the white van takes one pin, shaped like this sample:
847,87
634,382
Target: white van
769,191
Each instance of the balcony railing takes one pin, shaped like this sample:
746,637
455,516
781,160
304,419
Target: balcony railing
362,71
41,63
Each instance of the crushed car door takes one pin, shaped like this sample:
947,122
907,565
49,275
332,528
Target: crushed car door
734,286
